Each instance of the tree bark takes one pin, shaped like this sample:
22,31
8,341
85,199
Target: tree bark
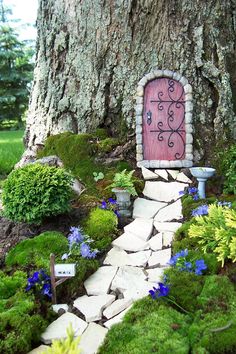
92,53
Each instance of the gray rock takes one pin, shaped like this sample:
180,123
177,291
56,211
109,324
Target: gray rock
146,209
99,282
92,338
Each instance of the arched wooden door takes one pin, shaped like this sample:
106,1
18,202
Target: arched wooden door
164,134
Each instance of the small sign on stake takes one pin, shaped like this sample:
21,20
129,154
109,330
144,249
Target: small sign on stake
61,271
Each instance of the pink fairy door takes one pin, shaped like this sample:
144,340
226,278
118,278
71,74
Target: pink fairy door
164,120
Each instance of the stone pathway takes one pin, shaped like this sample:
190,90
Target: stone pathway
134,264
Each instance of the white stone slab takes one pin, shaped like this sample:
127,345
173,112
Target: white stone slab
139,259
147,174
173,173
127,277
155,275
167,226
116,319
163,191
93,306
130,242
141,228
117,307
167,238
41,349
155,242
160,258
181,177
162,173
92,338
57,329
57,307
139,291
170,212
117,257
99,282
146,209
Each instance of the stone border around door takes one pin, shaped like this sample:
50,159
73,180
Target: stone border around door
188,161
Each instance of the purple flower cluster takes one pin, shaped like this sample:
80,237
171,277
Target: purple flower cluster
41,281
110,205
162,290
193,191
182,264
79,244
201,210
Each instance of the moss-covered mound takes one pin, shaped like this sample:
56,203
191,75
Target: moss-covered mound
35,253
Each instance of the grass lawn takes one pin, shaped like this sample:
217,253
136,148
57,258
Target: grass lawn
11,149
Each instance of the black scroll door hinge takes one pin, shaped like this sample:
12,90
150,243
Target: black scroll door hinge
149,117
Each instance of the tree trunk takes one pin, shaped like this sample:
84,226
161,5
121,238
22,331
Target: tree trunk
91,55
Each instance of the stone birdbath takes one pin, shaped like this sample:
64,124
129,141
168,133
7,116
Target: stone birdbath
202,174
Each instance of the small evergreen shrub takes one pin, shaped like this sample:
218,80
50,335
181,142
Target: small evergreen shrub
34,192
216,232
101,226
35,253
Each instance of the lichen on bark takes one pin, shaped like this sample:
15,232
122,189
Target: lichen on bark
91,54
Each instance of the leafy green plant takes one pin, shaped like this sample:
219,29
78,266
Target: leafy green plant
98,176
34,192
35,253
216,232
228,166
65,346
124,180
101,225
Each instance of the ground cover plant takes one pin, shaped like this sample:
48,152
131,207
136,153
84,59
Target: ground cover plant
11,149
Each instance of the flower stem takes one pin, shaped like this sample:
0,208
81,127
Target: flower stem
180,307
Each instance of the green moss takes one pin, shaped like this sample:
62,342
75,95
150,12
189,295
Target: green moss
148,328
108,144
10,284
35,252
101,226
188,204
100,133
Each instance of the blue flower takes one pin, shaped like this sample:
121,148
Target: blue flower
181,192
112,201
161,291
117,213
64,256
200,266
225,204
103,205
195,197
201,210
46,290
178,255
192,190
75,236
85,250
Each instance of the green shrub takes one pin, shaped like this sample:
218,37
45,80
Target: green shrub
101,226
10,284
148,328
20,325
34,192
35,252
228,166
108,144
216,232
124,180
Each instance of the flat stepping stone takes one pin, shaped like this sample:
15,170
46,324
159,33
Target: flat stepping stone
99,282
155,275
139,291
162,173
141,228
167,226
139,259
92,338
170,212
163,191
146,209
155,242
41,349
117,307
57,329
127,277
160,258
92,306
181,177
116,319
173,173
167,238
130,242
117,257
147,174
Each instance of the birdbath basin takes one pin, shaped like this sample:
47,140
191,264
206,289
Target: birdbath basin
202,174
